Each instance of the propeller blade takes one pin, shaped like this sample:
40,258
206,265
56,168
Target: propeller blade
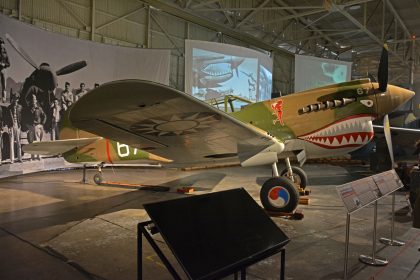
71,68
387,133
21,51
372,78
383,69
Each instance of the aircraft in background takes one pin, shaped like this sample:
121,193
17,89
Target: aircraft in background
211,71
322,122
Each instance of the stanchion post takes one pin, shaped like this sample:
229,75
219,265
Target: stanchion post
346,251
139,253
391,241
374,260
84,174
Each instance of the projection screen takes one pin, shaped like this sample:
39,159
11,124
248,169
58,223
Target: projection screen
312,72
213,70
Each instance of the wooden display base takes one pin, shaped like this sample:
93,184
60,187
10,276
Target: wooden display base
304,200
305,191
297,215
186,190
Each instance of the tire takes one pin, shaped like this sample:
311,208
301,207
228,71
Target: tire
98,178
279,195
300,178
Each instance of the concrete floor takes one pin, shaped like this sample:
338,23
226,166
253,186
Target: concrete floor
54,227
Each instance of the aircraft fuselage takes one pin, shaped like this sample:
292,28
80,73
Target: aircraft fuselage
328,121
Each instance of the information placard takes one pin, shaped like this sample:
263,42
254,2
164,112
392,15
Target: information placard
387,182
358,193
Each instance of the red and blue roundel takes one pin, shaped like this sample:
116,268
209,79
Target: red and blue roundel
279,195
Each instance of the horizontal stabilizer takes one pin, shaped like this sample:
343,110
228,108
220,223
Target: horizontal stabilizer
57,147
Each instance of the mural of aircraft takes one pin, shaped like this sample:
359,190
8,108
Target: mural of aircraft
41,83
211,71
322,122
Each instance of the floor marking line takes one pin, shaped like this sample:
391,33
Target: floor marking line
372,277
67,261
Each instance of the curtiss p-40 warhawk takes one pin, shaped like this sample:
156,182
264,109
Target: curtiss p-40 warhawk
185,131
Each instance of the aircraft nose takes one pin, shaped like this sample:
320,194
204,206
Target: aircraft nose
392,99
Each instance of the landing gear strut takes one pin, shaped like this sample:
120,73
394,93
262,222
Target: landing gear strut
279,194
97,178
295,174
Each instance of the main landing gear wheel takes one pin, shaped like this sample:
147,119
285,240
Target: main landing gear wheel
279,195
98,178
300,178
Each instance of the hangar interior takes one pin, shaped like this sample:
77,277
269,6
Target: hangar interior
53,226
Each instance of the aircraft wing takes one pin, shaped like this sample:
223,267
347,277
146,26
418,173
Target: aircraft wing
57,147
169,123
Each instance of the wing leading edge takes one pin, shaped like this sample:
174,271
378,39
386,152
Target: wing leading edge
170,123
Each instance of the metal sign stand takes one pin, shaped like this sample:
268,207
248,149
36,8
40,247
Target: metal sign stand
391,241
346,251
374,260
359,194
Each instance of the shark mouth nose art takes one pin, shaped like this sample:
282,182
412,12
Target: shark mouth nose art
353,131
220,69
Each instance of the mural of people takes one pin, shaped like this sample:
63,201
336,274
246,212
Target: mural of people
80,92
38,63
56,117
1,134
4,63
67,98
36,132
14,123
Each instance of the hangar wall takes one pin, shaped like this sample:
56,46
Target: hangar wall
134,24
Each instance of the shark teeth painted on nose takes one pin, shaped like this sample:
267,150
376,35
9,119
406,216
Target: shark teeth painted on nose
353,131
217,69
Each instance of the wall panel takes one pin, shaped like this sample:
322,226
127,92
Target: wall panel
73,18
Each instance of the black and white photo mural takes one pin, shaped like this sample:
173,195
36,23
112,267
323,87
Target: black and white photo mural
43,73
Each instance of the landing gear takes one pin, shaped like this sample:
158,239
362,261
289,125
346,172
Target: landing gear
97,178
298,177
295,174
278,194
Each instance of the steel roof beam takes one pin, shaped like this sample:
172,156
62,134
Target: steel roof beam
367,31
261,9
397,16
120,18
252,13
181,13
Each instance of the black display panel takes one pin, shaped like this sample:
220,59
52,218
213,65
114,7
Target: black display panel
215,233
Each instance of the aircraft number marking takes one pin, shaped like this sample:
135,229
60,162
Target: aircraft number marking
360,91
123,150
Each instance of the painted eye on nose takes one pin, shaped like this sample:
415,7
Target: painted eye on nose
367,103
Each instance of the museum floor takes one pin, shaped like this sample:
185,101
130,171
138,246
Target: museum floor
54,227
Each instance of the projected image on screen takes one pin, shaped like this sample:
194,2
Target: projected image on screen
337,73
216,74
313,72
214,70
265,84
